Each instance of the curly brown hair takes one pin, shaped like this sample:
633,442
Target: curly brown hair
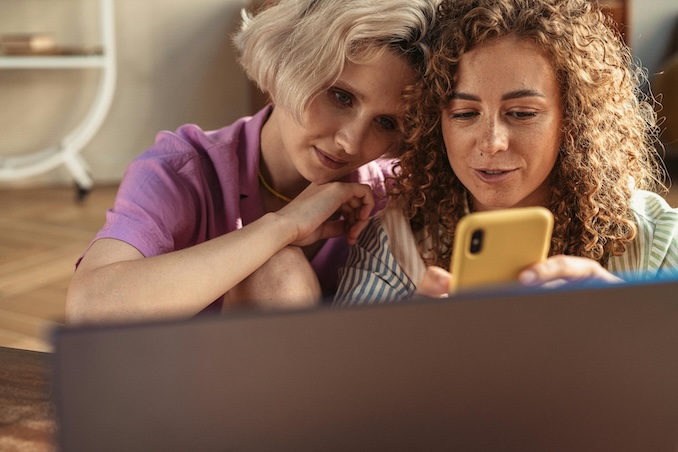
609,137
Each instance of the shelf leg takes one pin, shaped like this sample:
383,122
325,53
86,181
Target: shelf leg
77,166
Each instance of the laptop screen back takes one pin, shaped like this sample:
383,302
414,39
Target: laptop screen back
575,369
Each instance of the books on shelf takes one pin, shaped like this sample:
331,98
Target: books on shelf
27,43
33,44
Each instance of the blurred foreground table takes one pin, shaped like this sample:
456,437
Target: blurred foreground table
27,414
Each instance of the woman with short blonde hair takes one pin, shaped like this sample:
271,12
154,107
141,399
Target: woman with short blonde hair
261,212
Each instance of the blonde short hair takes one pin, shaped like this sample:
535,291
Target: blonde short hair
295,49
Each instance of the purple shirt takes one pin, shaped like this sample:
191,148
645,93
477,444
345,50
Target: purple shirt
194,185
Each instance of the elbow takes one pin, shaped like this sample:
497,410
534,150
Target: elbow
76,308
73,311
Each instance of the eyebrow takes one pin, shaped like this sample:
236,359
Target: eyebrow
508,96
344,86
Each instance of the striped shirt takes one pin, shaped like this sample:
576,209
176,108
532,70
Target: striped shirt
385,262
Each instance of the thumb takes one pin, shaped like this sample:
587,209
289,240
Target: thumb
435,283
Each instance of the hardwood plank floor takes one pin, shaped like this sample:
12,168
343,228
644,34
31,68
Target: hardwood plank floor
42,233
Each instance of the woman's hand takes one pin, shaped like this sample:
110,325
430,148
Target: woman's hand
435,283
312,211
561,269
553,272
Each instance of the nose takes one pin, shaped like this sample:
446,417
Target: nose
494,136
352,134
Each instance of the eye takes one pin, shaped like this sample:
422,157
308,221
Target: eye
386,123
462,115
341,97
522,114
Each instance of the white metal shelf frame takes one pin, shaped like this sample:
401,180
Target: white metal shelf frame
67,152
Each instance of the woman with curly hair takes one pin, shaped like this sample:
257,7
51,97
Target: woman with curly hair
524,103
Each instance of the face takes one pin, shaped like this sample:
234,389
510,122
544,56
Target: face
502,128
355,121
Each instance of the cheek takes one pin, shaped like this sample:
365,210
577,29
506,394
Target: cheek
380,143
454,147
551,147
317,120
542,163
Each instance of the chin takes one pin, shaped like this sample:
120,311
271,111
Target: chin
496,204
333,176
319,179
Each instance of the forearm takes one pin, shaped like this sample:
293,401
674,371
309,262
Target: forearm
177,284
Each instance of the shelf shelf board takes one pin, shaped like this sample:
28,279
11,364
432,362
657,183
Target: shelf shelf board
52,62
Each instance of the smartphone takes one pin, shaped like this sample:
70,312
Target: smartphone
491,248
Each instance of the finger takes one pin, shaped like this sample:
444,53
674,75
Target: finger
336,228
435,283
353,231
363,201
350,215
355,203
566,268
356,209
332,228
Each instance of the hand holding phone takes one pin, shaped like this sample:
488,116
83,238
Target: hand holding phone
492,248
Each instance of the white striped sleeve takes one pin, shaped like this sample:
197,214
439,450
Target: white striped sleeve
654,252
372,274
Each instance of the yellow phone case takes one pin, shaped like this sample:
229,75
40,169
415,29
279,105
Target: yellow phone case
491,248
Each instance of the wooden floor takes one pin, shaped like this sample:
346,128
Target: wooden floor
42,233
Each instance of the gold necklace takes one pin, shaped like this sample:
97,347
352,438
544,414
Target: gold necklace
271,190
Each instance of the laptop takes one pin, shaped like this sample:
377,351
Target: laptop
582,368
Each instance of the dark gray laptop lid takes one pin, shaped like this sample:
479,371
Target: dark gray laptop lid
586,369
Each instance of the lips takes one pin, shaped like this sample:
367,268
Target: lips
493,175
330,162
492,171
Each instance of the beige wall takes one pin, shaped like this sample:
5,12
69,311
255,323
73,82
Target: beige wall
176,65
